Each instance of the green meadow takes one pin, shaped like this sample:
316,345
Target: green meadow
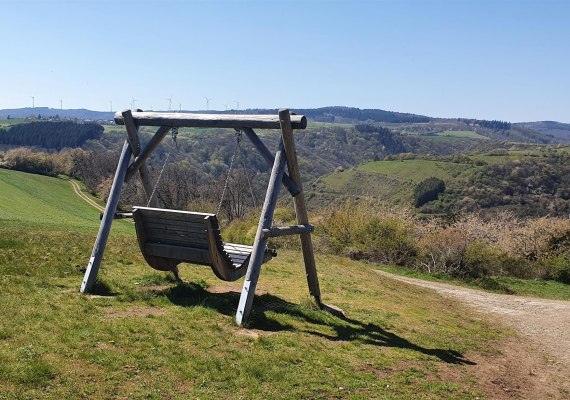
142,335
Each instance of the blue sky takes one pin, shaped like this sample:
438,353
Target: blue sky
507,60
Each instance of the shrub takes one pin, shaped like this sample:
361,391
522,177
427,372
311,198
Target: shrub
387,240
428,190
26,160
558,269
443,251
368,230
482,260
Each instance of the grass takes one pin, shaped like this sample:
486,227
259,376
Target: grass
391,181
462,134
144,336
505,285
4,123
44,201
416,170
362,183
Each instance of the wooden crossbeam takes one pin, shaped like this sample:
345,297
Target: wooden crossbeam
275,231
134,141
268,157
210,120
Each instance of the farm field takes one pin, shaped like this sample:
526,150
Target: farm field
5,123
41,201
462,134
391,181
144,336
416,170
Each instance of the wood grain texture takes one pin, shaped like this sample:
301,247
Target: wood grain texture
300,204
169,237
210,120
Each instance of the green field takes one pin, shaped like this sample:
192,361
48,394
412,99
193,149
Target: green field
28,199
394,180
9,122
144,336
416,170
462,134
356,182
391,181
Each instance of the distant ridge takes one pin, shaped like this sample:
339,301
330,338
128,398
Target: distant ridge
323,114
557,129
80,113
338,114
351,114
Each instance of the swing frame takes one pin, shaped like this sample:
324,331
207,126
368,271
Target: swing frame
284,158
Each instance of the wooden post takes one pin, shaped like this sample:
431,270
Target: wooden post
147,151
300,205
268,157
287,230
254,267
133,138
105,227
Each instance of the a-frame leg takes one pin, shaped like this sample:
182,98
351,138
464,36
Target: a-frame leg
107,220
300,205
254,267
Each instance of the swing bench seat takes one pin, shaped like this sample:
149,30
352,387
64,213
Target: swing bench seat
169,237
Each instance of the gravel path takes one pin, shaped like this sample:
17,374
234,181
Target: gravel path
546,323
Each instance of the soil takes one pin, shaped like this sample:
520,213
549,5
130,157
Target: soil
534,363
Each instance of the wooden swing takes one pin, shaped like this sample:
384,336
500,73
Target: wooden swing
169,237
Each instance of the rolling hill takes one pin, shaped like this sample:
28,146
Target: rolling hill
41,201
528,180
557,129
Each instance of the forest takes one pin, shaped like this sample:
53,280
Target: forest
53,135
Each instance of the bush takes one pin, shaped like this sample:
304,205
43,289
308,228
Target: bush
482,260
387,240
366,230
428,190
26,160
443,251
558,269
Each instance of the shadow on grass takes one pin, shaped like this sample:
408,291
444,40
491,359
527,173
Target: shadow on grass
345,329
101,288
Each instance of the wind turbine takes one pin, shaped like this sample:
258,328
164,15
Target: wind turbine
111,101
225,105
237,103
207,103
179,107
133,103
61,104
169,103
33,101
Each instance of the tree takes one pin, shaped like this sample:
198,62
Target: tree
428,190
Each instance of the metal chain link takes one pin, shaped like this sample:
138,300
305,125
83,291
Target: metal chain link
238,141
174,133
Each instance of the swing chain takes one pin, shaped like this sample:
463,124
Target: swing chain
174,133
238,135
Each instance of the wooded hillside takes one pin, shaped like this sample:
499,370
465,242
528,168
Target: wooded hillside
55,135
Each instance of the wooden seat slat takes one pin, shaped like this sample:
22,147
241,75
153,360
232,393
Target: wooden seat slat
175,225
154,235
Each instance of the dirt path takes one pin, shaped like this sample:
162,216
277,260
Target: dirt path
84,197
546,323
